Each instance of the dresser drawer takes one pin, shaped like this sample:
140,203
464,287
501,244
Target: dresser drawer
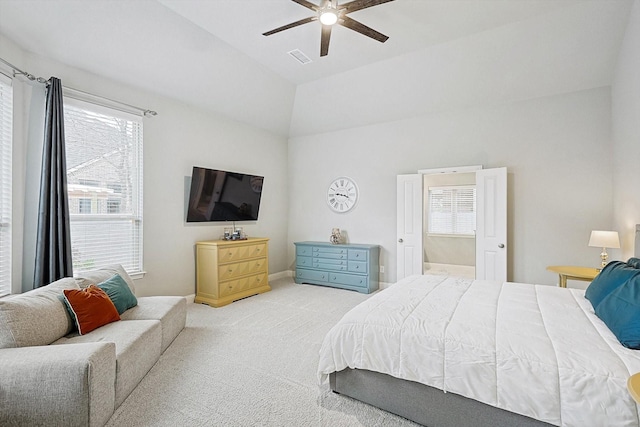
329,251
236,253
330,255
323,265
358,255
239,285
236,269
358,266
304,250
304,261
349,279
318,276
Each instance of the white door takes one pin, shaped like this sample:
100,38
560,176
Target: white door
491,224
409,223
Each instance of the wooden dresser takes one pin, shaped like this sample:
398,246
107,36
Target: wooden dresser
353,267
228,270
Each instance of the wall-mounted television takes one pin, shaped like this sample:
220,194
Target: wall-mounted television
218,195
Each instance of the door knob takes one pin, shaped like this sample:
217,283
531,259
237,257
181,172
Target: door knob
400,240
501,245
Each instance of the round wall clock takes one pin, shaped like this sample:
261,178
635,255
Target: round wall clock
342,194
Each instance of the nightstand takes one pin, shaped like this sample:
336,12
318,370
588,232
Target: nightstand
633,384
568,272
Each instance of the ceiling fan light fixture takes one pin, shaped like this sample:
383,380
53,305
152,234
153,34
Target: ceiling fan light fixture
329,16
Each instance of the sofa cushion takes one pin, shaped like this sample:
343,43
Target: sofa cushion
137,350
36,317
93,277
119,293
91,308
170,311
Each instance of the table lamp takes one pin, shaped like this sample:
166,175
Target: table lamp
604,240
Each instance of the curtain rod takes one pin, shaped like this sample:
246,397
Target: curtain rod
17,71
144,111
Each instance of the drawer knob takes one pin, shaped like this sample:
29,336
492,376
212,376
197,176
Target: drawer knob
230,271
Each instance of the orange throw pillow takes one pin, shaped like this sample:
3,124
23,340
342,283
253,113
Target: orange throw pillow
91,308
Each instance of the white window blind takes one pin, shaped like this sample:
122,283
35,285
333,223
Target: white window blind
452,210
6,127
104,178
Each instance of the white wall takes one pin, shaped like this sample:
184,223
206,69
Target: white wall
180,137
626,135
558,154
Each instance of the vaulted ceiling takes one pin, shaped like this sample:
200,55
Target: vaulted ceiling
212,53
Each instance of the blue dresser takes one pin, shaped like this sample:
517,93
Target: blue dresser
353,267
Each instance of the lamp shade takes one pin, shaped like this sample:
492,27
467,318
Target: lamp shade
604,239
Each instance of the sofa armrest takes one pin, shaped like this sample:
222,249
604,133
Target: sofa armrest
71,385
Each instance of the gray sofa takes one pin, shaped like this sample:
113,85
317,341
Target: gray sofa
52,376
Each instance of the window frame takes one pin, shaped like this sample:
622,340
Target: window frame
6,183
454,211
136,175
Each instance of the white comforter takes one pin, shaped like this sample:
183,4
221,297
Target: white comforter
539,351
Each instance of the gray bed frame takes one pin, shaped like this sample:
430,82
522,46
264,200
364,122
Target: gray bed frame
422,404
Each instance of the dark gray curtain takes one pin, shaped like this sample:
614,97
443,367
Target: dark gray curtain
53,242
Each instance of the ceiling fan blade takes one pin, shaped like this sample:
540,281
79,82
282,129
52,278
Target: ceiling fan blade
292,25
307,4
324,40
361,4
354,25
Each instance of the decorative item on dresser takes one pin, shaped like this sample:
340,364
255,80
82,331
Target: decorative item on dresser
353,267
228,270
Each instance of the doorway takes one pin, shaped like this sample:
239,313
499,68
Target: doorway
491,223
449,224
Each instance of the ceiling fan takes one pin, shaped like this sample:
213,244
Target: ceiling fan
330,13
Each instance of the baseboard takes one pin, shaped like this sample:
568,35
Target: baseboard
281,275
190,298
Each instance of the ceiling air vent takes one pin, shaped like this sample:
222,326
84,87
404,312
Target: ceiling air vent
299,56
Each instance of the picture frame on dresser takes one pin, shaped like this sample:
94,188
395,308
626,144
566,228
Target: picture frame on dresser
346,266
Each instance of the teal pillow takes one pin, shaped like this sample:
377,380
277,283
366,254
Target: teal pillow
620,311
611,277
634,262
119,293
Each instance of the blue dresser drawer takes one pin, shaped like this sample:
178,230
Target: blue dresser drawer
303,250
332,267
304,261
358,255
349,280
329,250
303,274
358,266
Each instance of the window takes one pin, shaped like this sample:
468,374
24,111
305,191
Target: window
104,177
84,206
6,127
452,210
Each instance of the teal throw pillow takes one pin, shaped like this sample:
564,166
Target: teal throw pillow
119,293
634,262
620,311
611,277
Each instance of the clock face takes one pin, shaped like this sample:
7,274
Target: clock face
342,194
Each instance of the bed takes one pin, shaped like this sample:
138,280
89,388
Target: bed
448,351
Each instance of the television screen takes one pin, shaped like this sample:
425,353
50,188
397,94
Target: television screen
218,195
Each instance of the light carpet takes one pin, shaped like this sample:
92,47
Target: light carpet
251,363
